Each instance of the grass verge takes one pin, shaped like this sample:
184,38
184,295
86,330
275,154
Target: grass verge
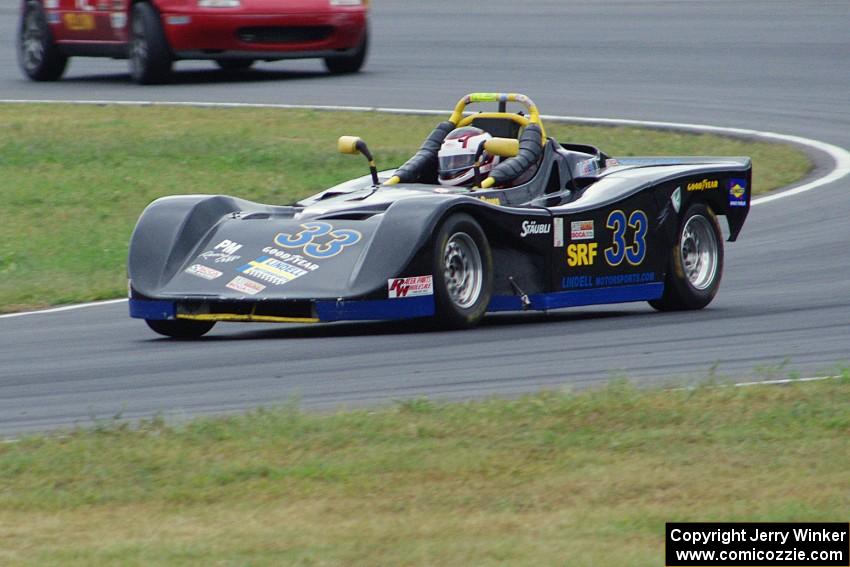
550,479
75,178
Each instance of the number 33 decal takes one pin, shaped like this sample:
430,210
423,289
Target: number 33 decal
635,252
310,231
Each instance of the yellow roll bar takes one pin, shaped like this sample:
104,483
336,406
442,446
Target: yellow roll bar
533,113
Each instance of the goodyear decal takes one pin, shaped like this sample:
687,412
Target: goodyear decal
703,185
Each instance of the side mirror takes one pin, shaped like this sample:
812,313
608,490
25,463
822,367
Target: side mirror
502,147
348,144
354,145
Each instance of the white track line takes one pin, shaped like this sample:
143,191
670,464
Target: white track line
63,308
840,156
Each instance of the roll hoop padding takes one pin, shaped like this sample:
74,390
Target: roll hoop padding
530,150
410,171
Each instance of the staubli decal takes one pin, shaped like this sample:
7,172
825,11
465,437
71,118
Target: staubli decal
532,227
703,185
319,239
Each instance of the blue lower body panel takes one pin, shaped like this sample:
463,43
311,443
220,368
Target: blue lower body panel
414,307
376,309
597,296
150,309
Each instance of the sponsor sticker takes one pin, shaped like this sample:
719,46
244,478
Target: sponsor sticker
271,270
586,168
202,272
533,227
581,230
558,240
410,287
582,254
491,200
676,199
227,247
737,192
219,257
244,285
703,185
53,18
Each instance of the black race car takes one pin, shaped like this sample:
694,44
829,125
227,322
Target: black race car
585,229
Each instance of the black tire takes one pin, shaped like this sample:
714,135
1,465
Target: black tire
149,54
38,55
349,63
180,328
234,64
696,262
461,291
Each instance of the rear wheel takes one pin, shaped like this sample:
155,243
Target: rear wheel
150,56
349,63
463,272
696,264
180,328
234,64
38,55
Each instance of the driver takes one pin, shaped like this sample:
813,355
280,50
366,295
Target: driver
456,158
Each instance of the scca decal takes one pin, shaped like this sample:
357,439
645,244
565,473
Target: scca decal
635,252
339,239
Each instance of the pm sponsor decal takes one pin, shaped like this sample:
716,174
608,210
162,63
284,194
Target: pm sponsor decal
272,270
737,192
533,227
244,285
581,230
410,287
202,272
228,247
703,185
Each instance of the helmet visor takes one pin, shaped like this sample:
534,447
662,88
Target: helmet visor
451,166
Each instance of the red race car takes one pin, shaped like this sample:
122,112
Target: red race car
153,34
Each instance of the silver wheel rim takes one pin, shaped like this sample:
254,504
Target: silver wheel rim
138,47
33,41
463,270
698,250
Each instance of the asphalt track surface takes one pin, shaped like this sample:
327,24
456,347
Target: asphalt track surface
783,308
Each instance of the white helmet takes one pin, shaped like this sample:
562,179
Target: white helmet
456,157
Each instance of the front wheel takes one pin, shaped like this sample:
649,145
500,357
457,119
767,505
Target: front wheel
180,328
150,56
696,263
38,55
463,272
349,63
